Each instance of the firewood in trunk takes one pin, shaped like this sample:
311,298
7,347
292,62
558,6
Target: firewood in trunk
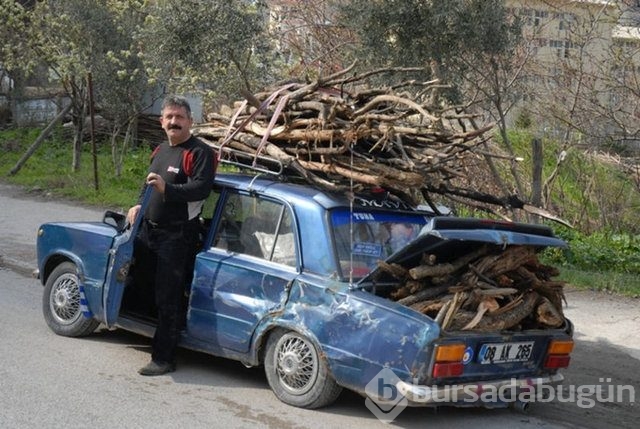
547,314
428,259
552,290
512,258
500,322
396,270
488,304
456,302
428,306
440,270
424,294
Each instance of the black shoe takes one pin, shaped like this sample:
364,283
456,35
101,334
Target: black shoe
157,368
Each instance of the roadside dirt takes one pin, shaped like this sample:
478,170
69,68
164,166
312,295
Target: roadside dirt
605,364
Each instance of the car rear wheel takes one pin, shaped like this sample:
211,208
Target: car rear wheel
61,303
295,372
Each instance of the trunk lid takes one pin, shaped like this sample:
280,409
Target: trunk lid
451,237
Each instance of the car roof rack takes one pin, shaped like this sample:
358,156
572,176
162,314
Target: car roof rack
248,161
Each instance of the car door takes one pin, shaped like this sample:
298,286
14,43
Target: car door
118,266
245,272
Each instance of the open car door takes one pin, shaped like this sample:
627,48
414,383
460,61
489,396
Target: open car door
120,257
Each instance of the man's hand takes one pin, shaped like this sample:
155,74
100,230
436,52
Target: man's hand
156,181
132,214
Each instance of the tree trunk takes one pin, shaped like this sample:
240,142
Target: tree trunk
43,135
77,145
536,185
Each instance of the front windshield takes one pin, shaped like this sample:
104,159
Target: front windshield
364,237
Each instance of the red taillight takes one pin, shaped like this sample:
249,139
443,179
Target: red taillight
557,361
448,360
447,369
558,354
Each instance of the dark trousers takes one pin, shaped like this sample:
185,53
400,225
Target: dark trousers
164,257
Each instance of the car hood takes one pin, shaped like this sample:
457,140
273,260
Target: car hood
450,237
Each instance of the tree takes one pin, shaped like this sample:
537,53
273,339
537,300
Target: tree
309,37
467,45
72,38
123,88
217,48
13,64
588,97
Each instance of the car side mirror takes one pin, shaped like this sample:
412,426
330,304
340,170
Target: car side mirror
115,219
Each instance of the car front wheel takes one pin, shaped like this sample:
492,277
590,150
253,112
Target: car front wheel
295,372
61,303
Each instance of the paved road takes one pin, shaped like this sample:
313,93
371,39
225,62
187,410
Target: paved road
46,379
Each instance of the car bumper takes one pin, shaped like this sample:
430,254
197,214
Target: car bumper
486,393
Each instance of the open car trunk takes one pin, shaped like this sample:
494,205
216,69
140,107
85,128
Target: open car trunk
476,275
497,306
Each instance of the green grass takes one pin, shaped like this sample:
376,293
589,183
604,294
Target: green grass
49,170
607,281
588,192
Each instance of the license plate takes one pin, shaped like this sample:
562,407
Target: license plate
505,352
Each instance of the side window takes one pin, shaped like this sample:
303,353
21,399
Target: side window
257,227
209,206
208,210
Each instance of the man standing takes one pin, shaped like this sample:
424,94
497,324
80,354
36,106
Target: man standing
182,171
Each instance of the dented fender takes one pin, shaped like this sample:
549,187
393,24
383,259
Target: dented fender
360,333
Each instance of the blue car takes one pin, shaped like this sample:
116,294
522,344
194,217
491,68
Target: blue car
292,278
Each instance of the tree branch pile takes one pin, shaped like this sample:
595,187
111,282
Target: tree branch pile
486,290
340,134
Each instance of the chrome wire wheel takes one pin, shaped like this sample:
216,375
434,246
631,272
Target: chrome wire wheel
61,303
296,371
296,364
64,299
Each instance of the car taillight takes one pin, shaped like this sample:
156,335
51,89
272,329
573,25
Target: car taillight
558,354
448,360
447,369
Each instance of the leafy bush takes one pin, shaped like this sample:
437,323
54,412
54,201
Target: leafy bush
599,251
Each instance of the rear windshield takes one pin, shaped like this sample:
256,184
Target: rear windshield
364,237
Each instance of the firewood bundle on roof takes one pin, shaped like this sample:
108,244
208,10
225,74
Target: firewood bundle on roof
485,290
341,135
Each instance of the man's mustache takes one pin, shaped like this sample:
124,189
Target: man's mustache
174,127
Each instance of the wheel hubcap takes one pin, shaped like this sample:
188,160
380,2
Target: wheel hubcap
61,298
290,363
297,364
65,299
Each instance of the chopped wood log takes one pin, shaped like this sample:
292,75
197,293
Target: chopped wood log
439,270
499,322
397,271
429,306
548,315
486,305
423,295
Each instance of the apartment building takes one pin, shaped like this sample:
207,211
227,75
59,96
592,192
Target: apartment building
582,73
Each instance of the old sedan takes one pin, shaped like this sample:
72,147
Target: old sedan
289,277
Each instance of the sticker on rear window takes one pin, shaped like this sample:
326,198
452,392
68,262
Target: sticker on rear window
367,249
